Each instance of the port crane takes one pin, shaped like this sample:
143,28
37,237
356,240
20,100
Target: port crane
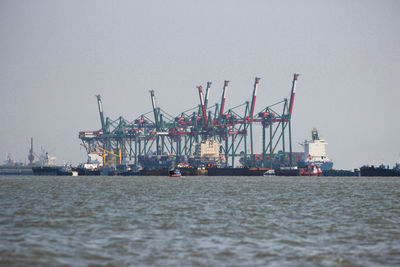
159,134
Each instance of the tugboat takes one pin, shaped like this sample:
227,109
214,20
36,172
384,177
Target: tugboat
67,170
287,171
311,170
128,170
174,173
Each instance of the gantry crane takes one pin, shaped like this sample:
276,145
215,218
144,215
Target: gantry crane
175,136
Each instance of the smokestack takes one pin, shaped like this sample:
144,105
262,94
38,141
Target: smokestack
31,157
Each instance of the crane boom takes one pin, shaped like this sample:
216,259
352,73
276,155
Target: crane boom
203,108
103,155
291,102
253,100
155,111
100,105
207,94
105,151
223,98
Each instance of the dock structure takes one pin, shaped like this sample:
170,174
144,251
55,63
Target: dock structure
156,137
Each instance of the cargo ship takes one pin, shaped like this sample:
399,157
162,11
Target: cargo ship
47,166
93,166
315,152
65,170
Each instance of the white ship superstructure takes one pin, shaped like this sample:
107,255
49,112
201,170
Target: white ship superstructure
94,162
45,159
208,151
315,152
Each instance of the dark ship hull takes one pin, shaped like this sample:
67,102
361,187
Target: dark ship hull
332,172
236,171
88,172
15,170
378,171
51,171
309,170
287,172
165,172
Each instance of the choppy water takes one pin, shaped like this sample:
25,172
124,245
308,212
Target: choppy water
208,221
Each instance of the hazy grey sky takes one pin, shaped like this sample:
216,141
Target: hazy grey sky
56,55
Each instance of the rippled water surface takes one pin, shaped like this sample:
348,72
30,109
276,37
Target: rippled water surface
208,221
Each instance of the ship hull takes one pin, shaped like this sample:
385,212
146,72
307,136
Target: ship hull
129,173
193,172
372,171
88,172
15,170
293,172
184,172
48,170
308,171
332,172
236,171
154,172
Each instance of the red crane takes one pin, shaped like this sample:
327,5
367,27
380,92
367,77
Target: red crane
253,101
207,94
295,76
203,108
223,98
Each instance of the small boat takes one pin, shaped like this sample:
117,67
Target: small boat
311,170
269,173
174,173
287,171
128,170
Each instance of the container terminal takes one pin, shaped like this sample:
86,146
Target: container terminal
205,136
